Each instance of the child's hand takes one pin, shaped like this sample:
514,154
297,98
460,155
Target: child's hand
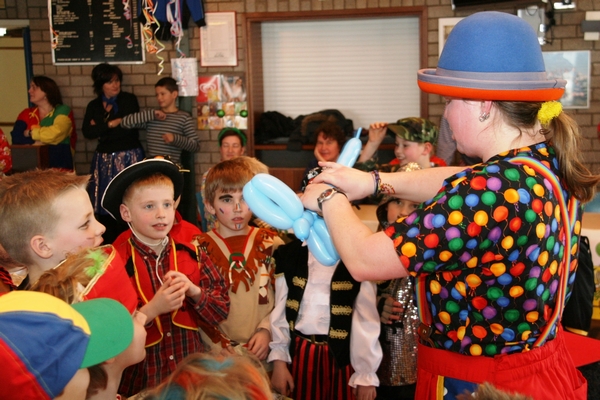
377,132
160,115
281,380
177,277
391,310
169,297
365,392
259,343
168,137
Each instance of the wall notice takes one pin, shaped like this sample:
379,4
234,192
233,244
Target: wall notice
95,31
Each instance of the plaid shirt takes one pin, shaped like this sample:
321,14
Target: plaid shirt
177,343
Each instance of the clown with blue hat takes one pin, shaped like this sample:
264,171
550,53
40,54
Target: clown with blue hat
493,247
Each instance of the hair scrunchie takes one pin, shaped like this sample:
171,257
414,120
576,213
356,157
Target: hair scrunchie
548,111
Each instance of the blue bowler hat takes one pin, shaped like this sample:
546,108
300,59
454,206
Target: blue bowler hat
492,56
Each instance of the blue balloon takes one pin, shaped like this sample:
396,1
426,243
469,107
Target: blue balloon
265,208
472,200
275,203
503,301
301,228
279,193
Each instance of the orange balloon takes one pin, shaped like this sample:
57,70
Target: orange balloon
473,262
461,288
543,258
507,243
498,269
460,332
435,287
475,350
538,190
548,207
445,255
481,218
409,249
479,332
516,291
497,329
532,316
500,214
473,281
444,317
553,267
455,218
511,195
540,230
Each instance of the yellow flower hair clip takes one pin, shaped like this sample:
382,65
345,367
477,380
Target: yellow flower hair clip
548,111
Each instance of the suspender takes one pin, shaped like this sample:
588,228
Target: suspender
569,217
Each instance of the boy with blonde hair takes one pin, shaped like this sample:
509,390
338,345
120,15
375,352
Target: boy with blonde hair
178,286
46,214
243,254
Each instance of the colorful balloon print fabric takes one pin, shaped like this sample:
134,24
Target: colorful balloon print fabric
490,244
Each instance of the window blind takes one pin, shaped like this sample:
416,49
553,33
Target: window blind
365,68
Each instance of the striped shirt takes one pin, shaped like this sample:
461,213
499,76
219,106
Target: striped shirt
179,123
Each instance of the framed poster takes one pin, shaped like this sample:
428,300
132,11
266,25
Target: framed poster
574,67
218,40
95,31
445,25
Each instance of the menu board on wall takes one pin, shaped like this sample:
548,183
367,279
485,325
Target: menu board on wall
95,31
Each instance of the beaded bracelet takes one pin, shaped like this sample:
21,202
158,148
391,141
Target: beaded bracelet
381,187
377,181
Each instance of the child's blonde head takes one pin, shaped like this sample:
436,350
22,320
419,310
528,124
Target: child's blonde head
202,376
231,176
26,207
153,180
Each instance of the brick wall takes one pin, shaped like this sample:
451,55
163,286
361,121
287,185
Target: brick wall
75,81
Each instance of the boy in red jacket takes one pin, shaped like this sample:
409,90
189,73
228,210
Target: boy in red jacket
178,286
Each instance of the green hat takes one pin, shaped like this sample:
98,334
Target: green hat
231,132
415,129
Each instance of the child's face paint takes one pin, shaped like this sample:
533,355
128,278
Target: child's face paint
233,213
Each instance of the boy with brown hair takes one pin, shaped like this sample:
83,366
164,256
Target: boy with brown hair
46,214
178,286
170,130
243,254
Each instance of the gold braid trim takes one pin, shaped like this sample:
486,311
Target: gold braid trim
280,275
293,304
337,333
300,282
341,310
344,285
291,323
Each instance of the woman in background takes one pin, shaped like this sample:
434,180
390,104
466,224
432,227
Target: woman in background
117,147
493,248
48,122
